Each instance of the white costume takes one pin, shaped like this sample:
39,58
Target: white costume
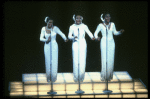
79,47
51,51
111,29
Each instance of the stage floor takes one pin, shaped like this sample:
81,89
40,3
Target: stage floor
35,85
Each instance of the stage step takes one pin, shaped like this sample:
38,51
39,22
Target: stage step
35,85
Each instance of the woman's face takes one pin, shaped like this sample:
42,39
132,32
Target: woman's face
50,23
107,18
78,19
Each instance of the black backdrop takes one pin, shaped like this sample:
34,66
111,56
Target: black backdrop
24,53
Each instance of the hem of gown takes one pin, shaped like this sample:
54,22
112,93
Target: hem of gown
50,81
76,80
102,79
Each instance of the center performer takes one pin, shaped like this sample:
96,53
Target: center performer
79,46
48,35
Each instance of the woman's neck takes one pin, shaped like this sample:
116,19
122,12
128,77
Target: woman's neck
78,24
107,23
48,27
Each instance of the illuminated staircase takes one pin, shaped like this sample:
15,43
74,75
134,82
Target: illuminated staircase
36,86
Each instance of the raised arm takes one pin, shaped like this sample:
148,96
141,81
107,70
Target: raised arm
115,31
98,29
60,33
88,32
42,35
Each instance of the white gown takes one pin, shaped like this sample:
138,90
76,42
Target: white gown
73,31
110,49
51,52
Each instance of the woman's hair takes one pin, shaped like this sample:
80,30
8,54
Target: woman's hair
78,15
46,19
106,14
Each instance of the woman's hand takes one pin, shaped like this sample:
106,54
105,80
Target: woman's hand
122,30
93,38
66,40
98,39
75,37
49,39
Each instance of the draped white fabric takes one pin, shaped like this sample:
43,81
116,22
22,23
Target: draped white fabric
51,52
110,49
79,49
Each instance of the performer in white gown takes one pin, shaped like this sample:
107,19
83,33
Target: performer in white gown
48,35
107,28
79,46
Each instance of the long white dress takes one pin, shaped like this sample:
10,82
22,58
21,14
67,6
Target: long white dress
79,49
51,52
111,29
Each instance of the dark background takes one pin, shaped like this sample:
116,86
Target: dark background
24,52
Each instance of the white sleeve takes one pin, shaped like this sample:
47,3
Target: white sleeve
42,35
60,33
70,33
115,31
98,29
88,32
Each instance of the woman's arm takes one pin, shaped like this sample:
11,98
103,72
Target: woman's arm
88,32
70,34
115,31
42,35
60,33
98,29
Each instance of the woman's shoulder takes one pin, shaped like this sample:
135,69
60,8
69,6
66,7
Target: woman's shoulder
73,25
100,24
55,28
83,25
112,23
43,28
